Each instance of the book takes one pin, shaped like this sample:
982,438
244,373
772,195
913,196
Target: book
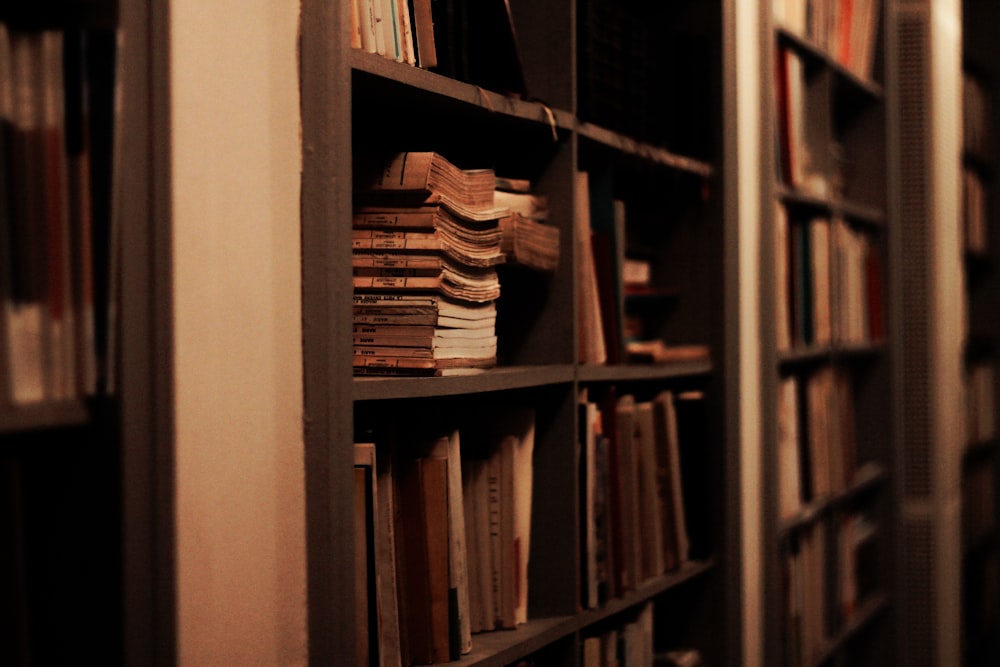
670,493
389,637
365,603
587,414
473,250
368,25
396,365
423,559
372,334
530,243
819,424
819,268
422,20
607,242
451,281
628,490
651,506
475,494
448,447
526,203
789,465
591,346
426,177
782,286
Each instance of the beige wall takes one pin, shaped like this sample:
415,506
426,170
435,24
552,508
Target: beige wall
236,161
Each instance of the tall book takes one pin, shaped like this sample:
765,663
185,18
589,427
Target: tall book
592,347
424,560
448,447
365,592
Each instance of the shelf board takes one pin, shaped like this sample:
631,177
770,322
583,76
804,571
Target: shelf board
503,647
431,82
866,478
623,372
648,152
495,379
866,614
810,50
858,212
813,355
646,591
45,415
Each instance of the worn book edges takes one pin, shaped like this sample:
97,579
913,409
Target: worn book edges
500,455
527,239
425,229
428,177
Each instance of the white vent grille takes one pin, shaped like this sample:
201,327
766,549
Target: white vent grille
912,62
918,603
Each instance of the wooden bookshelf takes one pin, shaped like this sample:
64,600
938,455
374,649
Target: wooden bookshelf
665,170
828,530
84,461
980,470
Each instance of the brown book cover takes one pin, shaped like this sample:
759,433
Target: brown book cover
424,563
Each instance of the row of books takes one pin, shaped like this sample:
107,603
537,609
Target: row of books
801,128
980,402
828,281
845,29
813,610
48,323
470,40
643,512
427,240
443,538
619,305
816,438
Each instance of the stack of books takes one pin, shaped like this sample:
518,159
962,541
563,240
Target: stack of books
426,244
527,239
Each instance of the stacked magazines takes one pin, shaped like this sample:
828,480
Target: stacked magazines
426,243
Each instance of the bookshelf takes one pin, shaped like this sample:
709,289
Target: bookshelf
828,453
659,174
81,464
980,565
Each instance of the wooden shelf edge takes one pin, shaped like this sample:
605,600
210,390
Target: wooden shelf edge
627,372
432,82
869,610
41,416
494,379
643,150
